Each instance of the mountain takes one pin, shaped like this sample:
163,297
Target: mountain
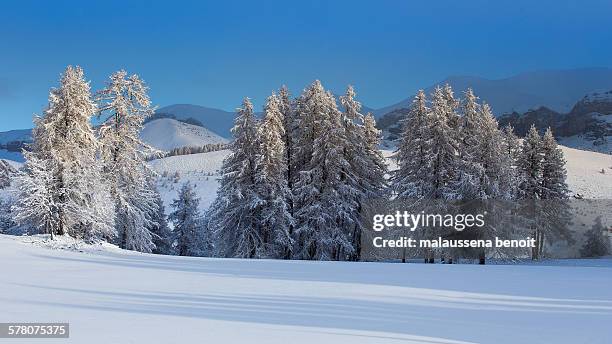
557,90
219,121
11,143
588,125
166,134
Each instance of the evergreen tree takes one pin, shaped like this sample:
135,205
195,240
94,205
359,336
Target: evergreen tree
36,205
271,180
64,158
530,165
324,194
556,215
126,105
163,237
443,159
409,180
235,211
187,223
597,244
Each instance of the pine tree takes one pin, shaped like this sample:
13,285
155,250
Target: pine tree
163,237
126,105
554,193
530,165
275,220
64,157
36,206
443,160
324,196
235,211
409,181
596,244
187,223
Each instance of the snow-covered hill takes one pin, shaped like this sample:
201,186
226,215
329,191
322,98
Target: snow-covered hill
166,134
219,121
201,170
558,90
114,296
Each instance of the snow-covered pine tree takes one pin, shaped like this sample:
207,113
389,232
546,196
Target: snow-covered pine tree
554,194
187,223
366,164
163,237
378,186
64,155
530,165
234,213
275,220
36,204
597,244
443,158
412,155
125,105
324,194
530,188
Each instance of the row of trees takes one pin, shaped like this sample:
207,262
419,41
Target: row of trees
296,180
452,150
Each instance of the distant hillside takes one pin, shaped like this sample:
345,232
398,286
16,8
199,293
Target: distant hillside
588,125
216,120
557,90
166,134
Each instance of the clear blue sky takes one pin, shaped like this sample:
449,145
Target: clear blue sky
213,53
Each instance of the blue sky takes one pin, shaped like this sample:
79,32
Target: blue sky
213,53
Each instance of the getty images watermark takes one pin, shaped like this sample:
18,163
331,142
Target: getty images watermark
411,222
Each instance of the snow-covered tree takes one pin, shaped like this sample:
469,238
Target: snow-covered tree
443,157
163,237
530,165
410,179
36,205
125,105
554,194
324,194
597,244
234,214
190,237
64,157
366,165
275,220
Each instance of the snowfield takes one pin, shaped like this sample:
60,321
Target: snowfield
166,134
201,170
114,296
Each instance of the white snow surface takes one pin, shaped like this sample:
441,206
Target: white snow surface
113,296
201,170
166,134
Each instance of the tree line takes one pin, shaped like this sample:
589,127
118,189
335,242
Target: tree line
296,182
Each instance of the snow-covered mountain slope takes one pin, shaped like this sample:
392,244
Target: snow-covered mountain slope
114,296
584,173
166,134
201,170
558,90
219,121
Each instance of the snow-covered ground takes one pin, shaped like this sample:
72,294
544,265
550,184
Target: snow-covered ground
201,170
166,134
113,296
